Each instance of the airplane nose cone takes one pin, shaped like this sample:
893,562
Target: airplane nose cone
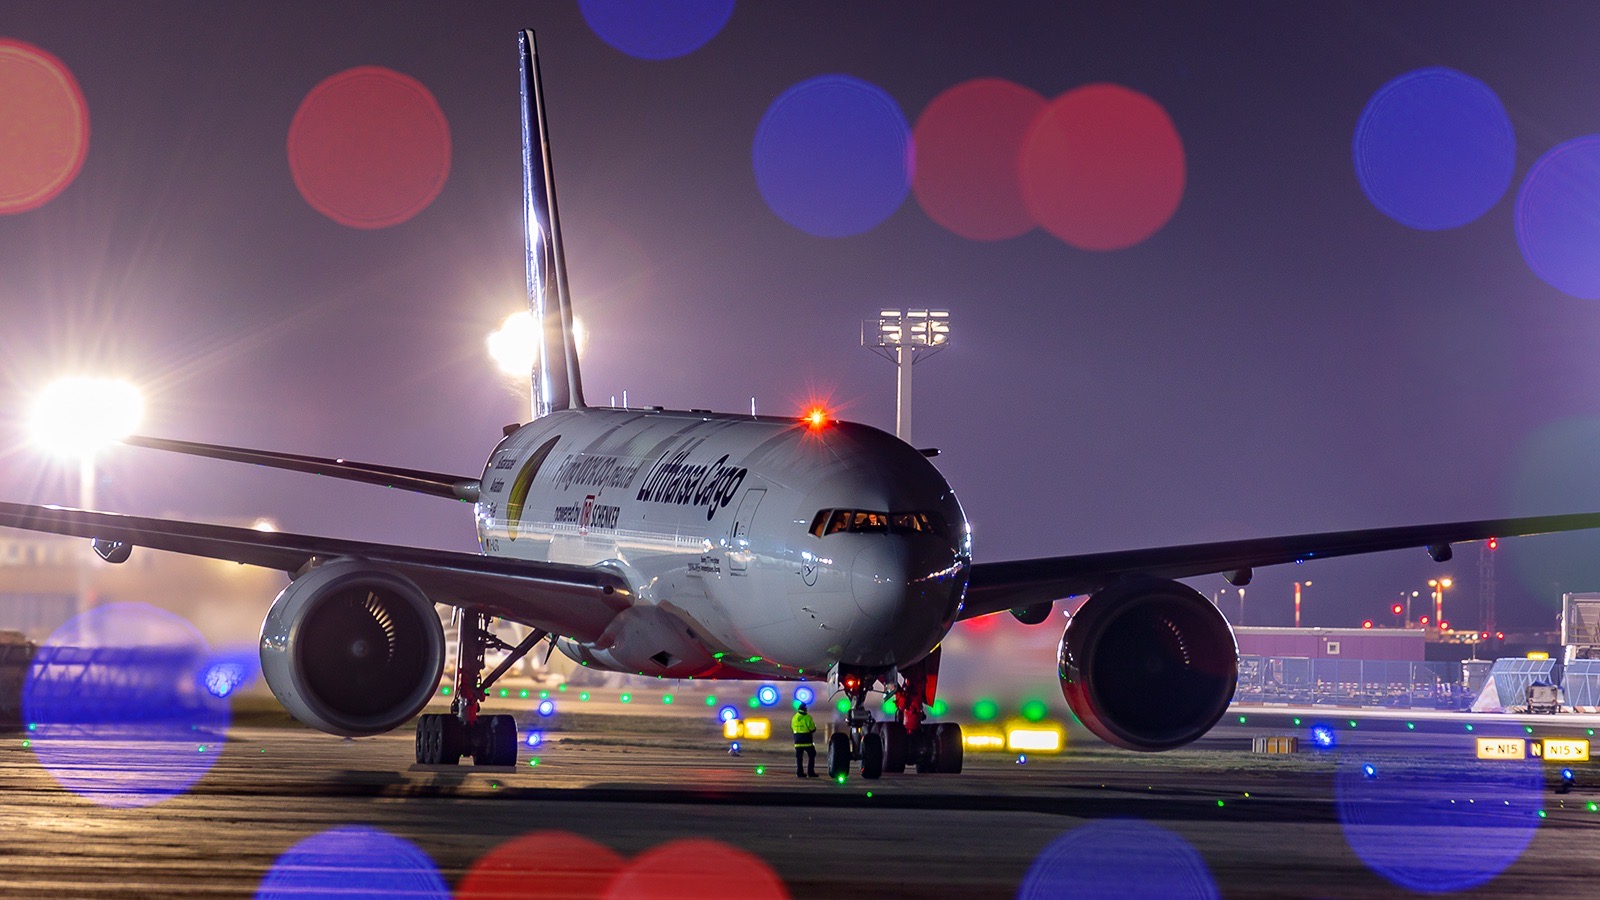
878,579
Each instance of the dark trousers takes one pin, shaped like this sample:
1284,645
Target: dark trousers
806,757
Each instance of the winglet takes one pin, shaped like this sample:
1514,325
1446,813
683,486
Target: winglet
556,384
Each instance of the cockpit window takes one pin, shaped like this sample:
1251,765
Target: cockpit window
862,521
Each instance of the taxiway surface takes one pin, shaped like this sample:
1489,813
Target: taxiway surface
1262,826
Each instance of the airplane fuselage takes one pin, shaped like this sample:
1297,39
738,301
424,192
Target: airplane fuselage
756,546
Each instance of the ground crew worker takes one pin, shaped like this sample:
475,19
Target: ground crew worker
805,748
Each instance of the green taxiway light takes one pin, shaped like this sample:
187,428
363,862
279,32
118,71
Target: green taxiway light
1541,814
843,705
840,779
755,702
584,695
626,698
753,659
889,707
1594,807
1297,720
1469,727
1411,726
711,701
523,694
444,692
1220,803
1241,720
761,770
985,710
543,695
505,692
1034,709
718,655
938,707
200,749
27,743
666,698
869,795
562,688
1352,723
533,762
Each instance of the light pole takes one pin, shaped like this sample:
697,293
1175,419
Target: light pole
1297,585
1438,585
79,417
902,337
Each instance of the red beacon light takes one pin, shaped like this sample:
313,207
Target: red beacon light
815,418
1443,624
1423,620
1367,624
1494,543
1396,609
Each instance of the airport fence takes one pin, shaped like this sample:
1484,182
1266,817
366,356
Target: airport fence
1351,682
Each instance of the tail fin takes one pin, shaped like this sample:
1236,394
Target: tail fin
556,384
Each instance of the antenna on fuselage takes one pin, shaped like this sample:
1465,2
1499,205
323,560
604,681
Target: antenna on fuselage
556,384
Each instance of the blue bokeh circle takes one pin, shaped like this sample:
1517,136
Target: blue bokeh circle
1119,860
832,156
656,29
1434,149
1558,217
1437,825
353,861
115,707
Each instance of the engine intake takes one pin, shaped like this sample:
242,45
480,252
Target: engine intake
1148,664
352,649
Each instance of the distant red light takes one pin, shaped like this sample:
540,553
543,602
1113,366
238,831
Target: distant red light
1396,609
1500,635
1367,624
1494,543
1423,620
1443,624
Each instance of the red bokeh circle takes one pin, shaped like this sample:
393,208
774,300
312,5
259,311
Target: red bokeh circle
369,147
44,127
1103,167
697,869
546,863
967,145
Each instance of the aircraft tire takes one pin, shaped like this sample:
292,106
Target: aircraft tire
949,748
434,744
497,741
838,755
894,747
872,755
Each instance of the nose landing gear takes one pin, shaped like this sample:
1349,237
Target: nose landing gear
890,746
443,738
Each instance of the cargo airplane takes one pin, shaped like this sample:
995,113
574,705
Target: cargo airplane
692,544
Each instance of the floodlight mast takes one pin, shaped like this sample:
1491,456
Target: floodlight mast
903,337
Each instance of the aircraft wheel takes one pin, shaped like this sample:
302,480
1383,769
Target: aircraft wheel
497,741
838,755
871,755
434,747
949,748
894,747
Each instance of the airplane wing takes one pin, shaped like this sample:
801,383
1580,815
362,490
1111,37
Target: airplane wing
572,601
454,487
1016,584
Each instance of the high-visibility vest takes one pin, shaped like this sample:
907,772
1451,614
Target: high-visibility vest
803,727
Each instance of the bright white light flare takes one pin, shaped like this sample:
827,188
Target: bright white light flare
514,347
80,416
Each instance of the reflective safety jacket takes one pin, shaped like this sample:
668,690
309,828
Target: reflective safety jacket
803,727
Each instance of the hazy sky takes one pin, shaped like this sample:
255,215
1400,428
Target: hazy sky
1281,354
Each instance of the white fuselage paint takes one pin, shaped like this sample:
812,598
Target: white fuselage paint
709,516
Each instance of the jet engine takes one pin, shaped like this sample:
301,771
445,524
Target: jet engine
352,649
1148,664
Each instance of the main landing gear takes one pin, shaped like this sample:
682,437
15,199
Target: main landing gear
443,738
907,740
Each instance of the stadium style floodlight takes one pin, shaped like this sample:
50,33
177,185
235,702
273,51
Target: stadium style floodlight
514,346
903,337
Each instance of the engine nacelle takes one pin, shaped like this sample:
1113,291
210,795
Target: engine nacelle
1148,664
352,649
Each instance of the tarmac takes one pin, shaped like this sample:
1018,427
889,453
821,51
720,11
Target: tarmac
650,801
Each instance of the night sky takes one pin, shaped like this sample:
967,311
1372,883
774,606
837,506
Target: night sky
1278,327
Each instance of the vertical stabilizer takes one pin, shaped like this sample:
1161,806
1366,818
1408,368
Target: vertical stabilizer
556,384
